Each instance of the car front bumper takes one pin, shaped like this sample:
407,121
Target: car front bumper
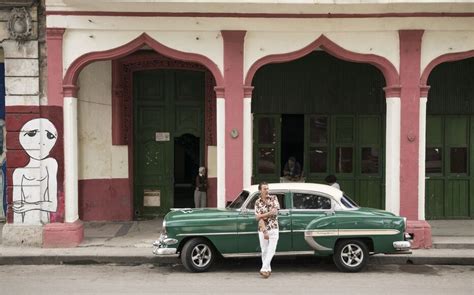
161,247
402,245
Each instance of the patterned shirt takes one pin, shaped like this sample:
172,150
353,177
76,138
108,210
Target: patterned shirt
266,206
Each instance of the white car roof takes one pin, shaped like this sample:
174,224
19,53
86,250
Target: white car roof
323,188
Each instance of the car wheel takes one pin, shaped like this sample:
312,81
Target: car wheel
351,255
197,255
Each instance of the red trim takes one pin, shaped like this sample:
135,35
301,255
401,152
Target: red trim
234,104
70,79
441,59
388,70
105,199
261,15
54,41
410,60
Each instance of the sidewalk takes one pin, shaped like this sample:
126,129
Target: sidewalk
129,243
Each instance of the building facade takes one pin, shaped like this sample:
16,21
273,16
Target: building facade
22,80
142,93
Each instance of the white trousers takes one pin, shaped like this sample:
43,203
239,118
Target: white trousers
268,248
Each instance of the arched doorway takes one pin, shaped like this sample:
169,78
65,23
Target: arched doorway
126,60
449,192
327,113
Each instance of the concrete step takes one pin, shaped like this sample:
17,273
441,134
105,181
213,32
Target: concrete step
453,242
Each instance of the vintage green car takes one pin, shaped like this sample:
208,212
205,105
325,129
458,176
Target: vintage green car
314,219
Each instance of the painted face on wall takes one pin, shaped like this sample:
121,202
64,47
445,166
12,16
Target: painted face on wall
37,137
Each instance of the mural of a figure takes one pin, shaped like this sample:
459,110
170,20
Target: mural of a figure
35,185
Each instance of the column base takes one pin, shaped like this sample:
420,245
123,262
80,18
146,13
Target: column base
22,235
421,232
63,235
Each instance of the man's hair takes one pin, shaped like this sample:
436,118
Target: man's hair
331,178
260,185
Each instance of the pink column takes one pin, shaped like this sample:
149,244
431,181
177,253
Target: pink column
410,57
59,234
54,41
234,95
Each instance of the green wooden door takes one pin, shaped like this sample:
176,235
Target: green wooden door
153,170
167,104
267,148
449,167
350,147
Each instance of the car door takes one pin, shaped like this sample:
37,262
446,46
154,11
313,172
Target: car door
247,235
306,208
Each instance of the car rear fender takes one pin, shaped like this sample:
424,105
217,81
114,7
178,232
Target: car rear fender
321,234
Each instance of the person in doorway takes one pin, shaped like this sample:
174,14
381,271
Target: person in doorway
292,170
266,213
200,193
332,181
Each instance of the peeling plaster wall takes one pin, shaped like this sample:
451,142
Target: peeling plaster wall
98,158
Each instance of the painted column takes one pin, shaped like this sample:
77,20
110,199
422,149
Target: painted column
410,57
392,150
54,40
234,94
422,154
220,134
71,232
247,136
70,159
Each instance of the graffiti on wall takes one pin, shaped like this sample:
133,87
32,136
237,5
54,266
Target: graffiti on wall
35,185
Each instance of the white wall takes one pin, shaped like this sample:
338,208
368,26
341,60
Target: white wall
264,36
437,43
98,158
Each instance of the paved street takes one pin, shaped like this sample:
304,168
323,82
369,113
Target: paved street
236,276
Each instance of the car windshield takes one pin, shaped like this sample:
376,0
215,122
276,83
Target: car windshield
239,201
348,202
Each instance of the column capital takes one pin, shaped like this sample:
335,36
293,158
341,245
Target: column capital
55,33
220,91
70,90
248,91
424,90
392,91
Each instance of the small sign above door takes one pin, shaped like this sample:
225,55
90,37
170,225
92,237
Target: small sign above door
162,136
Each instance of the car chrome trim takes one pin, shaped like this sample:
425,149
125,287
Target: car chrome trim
374,232
226,233
255,232
258,254
207,234
165,251
349,232
402,245
313,244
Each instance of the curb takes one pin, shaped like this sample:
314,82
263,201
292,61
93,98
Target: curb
137,260
85,260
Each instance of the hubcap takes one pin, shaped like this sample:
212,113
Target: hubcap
201,255
352,255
